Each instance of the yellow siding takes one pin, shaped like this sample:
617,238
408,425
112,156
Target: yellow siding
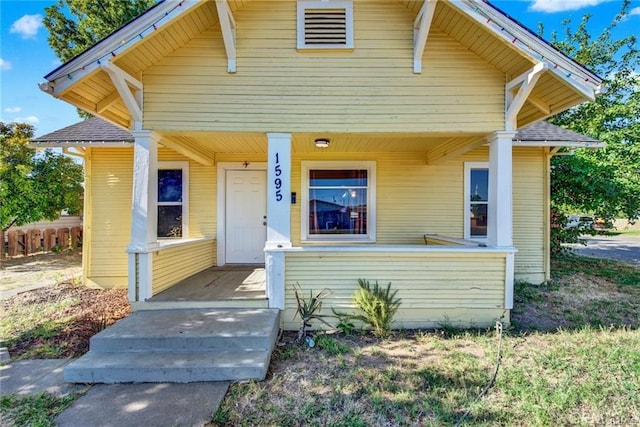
414,199
172,265
202,195
370,89
435,287
529,216
111,171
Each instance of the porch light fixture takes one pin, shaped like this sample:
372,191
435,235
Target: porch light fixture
322,143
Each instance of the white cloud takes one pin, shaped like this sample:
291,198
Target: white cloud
5,65
27,26
28,119
12,110
551,6
634,11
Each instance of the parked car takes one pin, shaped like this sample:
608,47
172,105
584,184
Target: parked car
583,221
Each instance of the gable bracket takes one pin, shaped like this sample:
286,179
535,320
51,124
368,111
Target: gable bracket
515,100
421,27
124,83
228,27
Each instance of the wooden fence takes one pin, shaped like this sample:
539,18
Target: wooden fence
27,242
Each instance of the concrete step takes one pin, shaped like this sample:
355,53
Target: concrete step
186,329
176,367
218,303
185,345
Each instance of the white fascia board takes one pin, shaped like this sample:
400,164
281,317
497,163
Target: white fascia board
113,42
573,144
548,52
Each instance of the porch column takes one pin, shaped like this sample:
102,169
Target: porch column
278,215
500,210
144,215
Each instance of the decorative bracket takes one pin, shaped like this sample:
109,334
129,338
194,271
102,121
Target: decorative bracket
515,100
124,83
188,152
421,27
228,27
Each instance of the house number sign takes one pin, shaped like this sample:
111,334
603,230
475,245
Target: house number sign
278,181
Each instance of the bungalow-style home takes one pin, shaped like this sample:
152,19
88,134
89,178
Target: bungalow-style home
326,141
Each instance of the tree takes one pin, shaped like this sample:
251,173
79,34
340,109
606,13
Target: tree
604,182
34,187
86,22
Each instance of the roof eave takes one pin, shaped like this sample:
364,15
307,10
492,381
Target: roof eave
121,40
532,46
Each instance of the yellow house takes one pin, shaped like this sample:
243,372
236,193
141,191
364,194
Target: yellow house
328,140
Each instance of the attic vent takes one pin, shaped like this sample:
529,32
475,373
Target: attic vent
325,24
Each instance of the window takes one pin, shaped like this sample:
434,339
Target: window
173,189
476,196
338,201
325,25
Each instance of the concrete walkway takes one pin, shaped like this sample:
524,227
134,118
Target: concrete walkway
161,404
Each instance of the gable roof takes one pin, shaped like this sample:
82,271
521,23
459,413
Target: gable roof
169,25
88,133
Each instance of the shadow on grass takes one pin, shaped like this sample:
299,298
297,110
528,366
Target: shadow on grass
584,292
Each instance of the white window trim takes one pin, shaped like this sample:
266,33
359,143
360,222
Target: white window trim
468,166
185,197
370,166
325,4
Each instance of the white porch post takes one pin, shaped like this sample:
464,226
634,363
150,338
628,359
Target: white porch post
278,215
500,210
144,216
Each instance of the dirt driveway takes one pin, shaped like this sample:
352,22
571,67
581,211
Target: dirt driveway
26,273
620,247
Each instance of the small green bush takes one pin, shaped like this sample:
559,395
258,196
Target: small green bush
378,305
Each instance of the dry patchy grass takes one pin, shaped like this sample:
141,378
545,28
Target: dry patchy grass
57,321
572,359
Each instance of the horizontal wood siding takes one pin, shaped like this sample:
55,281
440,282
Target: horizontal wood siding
110,223
202,195
414,199
172,265
370,89
435,287
529,213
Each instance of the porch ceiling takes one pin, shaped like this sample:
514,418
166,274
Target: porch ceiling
209,144
96,93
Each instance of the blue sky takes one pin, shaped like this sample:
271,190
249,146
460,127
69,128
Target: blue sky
25,56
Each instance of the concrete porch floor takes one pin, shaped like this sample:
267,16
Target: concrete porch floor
230,282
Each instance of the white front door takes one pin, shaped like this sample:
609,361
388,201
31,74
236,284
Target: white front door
246,216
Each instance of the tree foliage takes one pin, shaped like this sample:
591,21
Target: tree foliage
75,25
604,182
34,187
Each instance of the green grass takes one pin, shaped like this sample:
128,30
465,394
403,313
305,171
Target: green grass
582,366
38,410
617,272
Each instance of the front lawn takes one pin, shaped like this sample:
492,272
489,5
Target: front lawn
572,357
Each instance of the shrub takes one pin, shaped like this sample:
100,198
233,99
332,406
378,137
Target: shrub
378,305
